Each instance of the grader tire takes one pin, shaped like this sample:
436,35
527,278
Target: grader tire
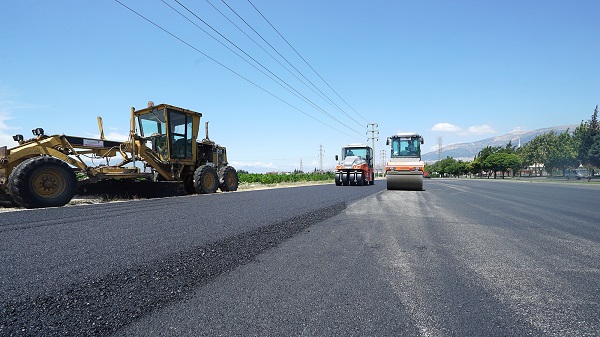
228,179
206,180
188,184
42,182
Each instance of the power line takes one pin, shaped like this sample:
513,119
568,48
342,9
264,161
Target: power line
319,93
286,60
289,87
313,69
224,66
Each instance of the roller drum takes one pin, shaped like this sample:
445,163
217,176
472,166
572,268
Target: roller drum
409,182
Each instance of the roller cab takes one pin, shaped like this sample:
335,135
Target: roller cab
404,170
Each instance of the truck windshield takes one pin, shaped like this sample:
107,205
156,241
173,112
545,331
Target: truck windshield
353,151
406,147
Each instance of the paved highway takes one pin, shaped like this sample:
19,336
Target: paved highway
462,258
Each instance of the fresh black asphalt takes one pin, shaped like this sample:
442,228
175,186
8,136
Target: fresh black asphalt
462,258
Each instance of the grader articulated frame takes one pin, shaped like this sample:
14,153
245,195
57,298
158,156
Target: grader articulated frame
46,171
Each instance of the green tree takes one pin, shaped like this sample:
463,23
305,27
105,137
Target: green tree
502,161
445,166
535,151
594,152
585,136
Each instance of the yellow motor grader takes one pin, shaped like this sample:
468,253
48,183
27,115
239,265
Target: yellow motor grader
47,170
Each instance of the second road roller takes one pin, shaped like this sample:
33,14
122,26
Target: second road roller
404,170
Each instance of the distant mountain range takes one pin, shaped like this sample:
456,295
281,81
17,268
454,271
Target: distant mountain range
468,151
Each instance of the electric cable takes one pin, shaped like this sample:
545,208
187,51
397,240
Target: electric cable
320,92
289,87
313,69
227,68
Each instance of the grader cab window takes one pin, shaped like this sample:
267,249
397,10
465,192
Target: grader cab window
180,134
153,127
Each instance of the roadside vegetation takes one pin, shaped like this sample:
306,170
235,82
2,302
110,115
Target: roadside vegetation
550,152
278,178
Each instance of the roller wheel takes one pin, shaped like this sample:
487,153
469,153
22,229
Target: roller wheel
205,179
345,179
360,179
228,179
338,179
372,179
42,182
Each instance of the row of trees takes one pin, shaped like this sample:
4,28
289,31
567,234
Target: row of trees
554,151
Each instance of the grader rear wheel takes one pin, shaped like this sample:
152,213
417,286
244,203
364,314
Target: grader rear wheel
228,179
206,179
42,182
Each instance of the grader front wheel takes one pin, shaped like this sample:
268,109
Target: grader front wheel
42,182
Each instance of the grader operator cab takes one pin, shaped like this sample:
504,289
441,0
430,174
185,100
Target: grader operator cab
405,169
45,171
356,166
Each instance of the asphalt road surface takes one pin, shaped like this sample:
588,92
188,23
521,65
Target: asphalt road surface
462,258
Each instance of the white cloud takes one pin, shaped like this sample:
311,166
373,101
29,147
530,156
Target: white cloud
471,130
5,136
480,130
446,127
252,164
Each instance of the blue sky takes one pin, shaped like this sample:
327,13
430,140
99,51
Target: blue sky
460,70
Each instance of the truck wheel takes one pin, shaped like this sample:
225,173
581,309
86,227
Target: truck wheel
205,179
345,179
360,179
42,182
338,179
228,179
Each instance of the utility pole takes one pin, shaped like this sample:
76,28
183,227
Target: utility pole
321,158
382,161
374,136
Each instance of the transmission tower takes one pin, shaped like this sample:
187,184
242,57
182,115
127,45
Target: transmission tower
321,151
301,168
374,136
439,148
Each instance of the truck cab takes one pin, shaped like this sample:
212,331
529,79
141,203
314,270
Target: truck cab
355,166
